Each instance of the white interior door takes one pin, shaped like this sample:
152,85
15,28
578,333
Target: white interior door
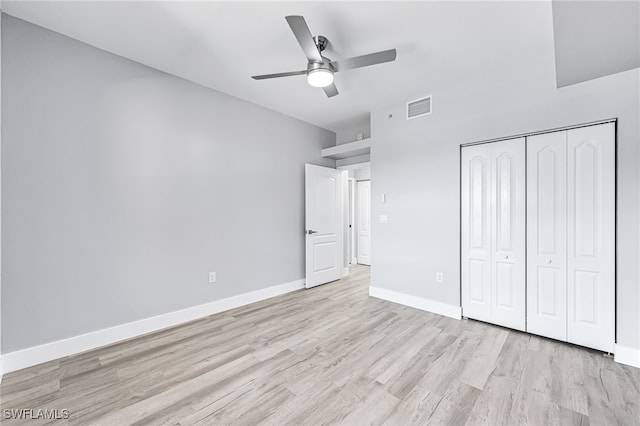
476,232
324,224
363,222
546,235
591,236
508,200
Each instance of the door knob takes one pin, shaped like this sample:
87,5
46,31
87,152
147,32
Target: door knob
309,232
506,258
548,260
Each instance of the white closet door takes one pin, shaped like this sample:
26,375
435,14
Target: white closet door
591,236
546,235
476,232
508,233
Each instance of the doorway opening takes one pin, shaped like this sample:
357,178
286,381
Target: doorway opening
358,211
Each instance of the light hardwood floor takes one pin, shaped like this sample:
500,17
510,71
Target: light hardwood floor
332,355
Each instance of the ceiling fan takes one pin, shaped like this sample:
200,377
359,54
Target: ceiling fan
320,69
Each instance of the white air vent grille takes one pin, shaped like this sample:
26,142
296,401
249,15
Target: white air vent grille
419,107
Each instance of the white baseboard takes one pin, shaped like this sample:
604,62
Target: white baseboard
345,271
50,351
626,355
417,302
1,368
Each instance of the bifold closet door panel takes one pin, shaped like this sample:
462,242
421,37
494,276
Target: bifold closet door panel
493,233
508,233
546,235
591,236
476,232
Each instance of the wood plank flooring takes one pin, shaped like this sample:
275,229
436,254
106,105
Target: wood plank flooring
331,355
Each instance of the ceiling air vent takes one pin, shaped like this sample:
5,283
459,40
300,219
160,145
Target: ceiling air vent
419,107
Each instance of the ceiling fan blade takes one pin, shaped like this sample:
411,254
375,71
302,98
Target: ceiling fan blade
365,60
305,39
330,90
282,74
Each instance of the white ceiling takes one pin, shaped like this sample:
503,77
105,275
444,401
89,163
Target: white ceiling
221,44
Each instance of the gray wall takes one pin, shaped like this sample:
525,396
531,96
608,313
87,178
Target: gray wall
363,173
416,163
350,161
122,187
350,133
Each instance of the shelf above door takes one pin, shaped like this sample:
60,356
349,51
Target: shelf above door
347,150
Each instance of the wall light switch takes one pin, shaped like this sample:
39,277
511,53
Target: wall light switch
383,198
439,277
212,277
383,218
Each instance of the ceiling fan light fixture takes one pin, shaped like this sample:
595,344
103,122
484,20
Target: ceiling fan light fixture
320,69
320,77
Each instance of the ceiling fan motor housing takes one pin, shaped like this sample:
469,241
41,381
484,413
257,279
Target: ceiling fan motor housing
325,65
321,42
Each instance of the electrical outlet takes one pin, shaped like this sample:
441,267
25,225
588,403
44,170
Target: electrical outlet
212,277
439,277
